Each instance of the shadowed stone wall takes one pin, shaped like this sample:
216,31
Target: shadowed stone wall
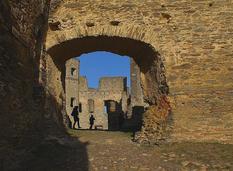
194,40
26,125
21,95
22,28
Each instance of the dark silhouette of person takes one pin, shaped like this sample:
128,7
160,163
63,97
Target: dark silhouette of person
92,120
75,114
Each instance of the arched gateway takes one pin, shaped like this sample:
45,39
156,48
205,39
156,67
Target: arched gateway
192,40
152,71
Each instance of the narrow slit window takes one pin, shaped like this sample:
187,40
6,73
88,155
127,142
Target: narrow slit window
72,101
91,105
80,107
73,71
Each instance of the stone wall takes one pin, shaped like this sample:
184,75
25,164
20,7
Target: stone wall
21,34
83,83
72,85
22,29
106,91
194,44
192,40
112,84
136,87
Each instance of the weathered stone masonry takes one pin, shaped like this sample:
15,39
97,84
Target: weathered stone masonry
191,39
92,100
110,89
22,28
194,43
72,85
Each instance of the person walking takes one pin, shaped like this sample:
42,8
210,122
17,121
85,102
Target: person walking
75,114
92,120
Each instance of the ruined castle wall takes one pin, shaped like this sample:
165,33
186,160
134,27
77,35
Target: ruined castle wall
136,89
100,116
22,122
72,85
99,96
113,84
21,32
192,38
83,83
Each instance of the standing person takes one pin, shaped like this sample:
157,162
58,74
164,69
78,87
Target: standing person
92,120
75,114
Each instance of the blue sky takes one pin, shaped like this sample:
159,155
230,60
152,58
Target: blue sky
98,64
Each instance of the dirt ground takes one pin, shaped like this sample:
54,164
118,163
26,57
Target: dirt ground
114,151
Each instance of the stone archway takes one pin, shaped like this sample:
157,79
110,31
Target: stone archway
152,71
195,37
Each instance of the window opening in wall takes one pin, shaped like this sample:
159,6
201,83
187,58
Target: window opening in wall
73,71
72,102
103,76
91,105
80,107
105,109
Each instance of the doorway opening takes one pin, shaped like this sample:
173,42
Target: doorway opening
153,86
104,77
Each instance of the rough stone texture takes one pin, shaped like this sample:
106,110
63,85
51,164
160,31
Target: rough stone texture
193,40
152,74
113,84
21,96
110,88
157,122
72,85
90,100
136,94
21,34
25,112
136,89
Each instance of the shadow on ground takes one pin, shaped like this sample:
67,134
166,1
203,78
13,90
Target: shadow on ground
54,153
114,151
57,154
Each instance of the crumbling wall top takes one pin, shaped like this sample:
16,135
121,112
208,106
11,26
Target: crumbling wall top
83,83
113,84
